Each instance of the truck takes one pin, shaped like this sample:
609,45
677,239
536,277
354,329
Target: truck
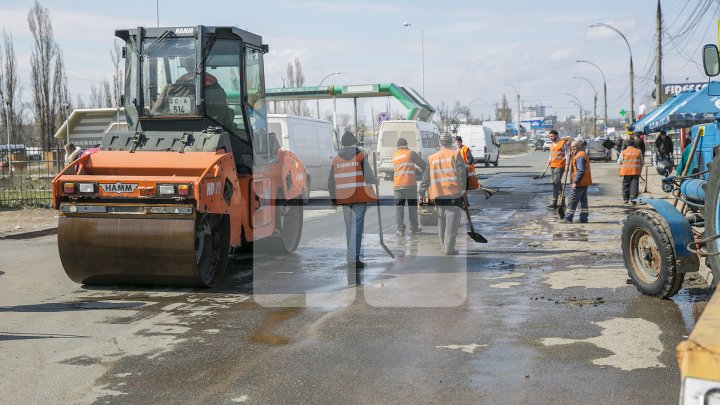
194,177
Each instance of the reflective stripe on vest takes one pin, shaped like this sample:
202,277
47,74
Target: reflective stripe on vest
631,165
586,179
443,182
403,169
557,154
350,185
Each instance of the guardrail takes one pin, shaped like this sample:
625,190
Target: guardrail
514,148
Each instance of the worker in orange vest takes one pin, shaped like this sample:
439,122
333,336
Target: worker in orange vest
631,163
405,186
349,185
466,154
444,182
559,149
581,179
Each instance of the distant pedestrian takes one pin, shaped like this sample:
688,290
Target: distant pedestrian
663,147
557,161
444,183
405,186
631,162
349,185
581,179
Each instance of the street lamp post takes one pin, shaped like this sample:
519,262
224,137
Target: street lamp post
517,93
579,104
422,52
321,82
468,108
632,87
604,86
594,104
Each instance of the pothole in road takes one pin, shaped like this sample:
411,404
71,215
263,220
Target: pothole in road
588,278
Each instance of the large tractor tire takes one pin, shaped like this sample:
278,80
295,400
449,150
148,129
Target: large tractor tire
649,256
712,220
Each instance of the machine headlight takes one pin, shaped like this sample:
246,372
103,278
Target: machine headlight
166,189
86,187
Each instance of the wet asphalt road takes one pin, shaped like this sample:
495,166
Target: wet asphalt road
540,314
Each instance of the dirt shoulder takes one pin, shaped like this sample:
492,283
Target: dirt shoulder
13,221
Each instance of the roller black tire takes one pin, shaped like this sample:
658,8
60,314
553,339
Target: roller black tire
212,249
647,248
289,224
712,199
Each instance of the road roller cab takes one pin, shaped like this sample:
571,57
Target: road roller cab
195,175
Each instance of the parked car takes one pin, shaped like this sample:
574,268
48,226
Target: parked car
596,151
546,145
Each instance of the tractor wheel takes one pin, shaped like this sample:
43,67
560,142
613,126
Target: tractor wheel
649,255
712,220
212,247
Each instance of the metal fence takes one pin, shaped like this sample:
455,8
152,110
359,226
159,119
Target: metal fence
26,179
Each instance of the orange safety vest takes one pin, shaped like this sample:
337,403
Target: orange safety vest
350,185
586,179
443,182
631,164
403,169
473,183
557,154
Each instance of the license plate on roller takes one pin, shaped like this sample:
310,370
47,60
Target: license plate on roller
180,105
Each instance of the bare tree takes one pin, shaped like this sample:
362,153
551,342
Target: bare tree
503,112
117,78
10,92
96,96
47,70
107,94
296,78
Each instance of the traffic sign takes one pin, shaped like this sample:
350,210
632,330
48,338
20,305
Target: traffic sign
383,116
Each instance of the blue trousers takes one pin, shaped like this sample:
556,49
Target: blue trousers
354,215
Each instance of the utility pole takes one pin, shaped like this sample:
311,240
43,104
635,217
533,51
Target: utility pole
658,67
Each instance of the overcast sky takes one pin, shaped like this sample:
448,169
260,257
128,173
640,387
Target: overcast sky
473,49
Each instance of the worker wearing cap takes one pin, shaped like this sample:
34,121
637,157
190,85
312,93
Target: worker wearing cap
444,182
631,163
349,185
405,186
557,162
581,179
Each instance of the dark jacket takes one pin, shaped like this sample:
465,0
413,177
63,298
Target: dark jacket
347,153
664,146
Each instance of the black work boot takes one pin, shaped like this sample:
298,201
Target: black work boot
553,205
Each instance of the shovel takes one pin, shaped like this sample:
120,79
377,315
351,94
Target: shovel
472,234
380,226
543,173
561,208
488,192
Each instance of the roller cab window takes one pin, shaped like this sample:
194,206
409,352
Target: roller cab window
169,67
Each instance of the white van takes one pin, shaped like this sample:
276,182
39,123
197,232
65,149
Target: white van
482,143
422,137
314,142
